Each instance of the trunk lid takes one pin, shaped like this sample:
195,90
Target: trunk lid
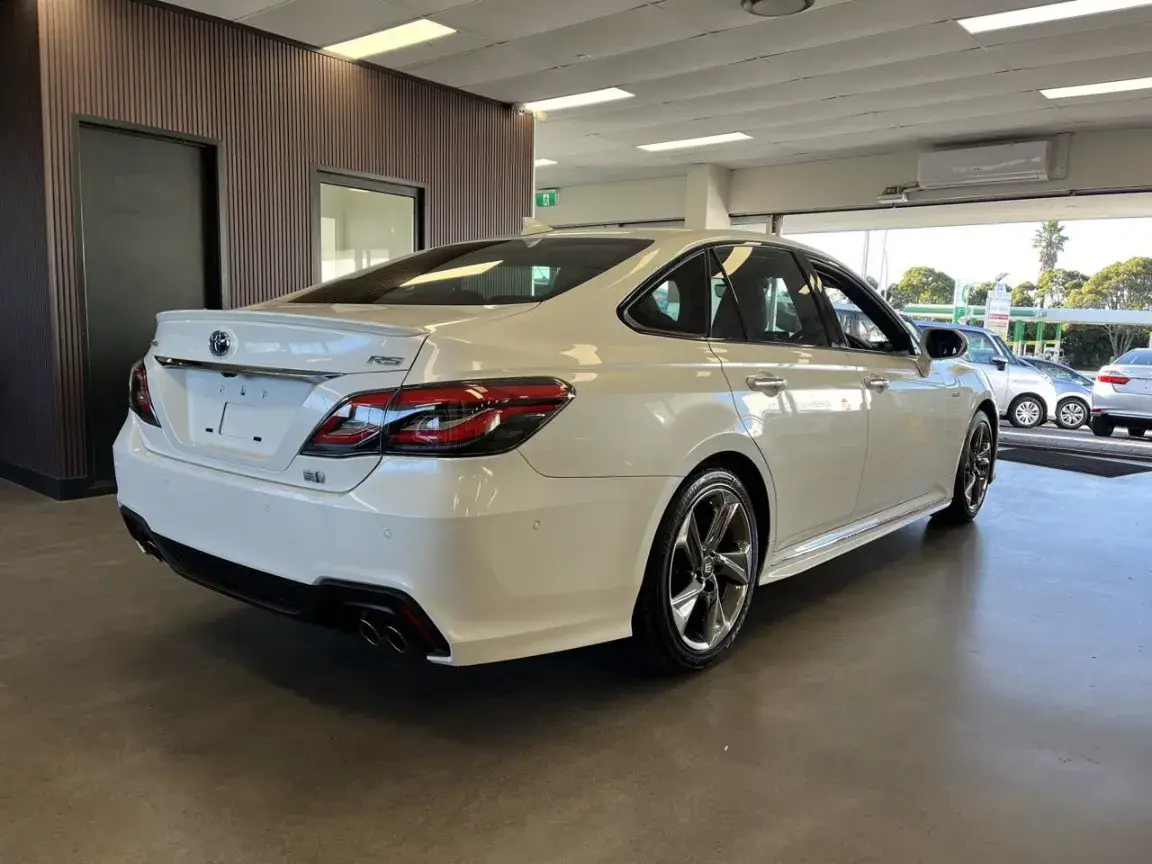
244,390
1140,379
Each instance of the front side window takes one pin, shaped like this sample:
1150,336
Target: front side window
981,348
681,303
773,301
861,316
488,272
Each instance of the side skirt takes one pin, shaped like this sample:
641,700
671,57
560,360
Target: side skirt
804,556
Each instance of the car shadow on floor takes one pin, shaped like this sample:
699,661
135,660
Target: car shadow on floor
341,672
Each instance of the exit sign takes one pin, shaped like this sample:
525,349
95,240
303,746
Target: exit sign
547,198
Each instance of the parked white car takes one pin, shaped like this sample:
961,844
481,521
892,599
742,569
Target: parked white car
1122,395
508,447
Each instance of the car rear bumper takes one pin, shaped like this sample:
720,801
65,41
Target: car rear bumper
1121,406
497,560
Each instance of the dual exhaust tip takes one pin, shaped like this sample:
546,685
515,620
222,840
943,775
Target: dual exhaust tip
378,634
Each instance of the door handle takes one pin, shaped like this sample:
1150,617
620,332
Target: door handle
877,382
773,385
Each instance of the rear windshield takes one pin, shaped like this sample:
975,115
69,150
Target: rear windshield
525,270
1136,358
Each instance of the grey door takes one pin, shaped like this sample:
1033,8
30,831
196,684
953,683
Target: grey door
149,232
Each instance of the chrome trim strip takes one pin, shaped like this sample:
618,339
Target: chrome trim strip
237,369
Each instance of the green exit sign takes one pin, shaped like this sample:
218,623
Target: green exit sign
547,197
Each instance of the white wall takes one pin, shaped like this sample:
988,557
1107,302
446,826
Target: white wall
1113,160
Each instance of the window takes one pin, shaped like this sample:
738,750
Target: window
861,315
682,303
363,223
1136,357
981,348
773,301
487,272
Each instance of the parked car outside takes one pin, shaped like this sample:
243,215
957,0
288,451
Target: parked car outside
1073,392
1024,395
1122,395
507,447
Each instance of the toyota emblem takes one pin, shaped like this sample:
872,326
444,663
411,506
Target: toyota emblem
219,343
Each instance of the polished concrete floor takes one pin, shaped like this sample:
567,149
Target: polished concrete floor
974,695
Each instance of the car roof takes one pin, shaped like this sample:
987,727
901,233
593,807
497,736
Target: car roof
681,237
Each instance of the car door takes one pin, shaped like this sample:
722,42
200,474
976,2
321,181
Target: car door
912,418
800,400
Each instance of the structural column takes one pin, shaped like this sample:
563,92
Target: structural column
706,197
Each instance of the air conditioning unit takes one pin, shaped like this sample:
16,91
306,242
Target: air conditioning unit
1022,162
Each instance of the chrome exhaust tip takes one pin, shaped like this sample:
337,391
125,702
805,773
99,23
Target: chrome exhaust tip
379,635
396,640
369,633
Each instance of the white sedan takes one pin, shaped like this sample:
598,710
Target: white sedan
508,447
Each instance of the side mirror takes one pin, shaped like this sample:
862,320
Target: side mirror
1000,363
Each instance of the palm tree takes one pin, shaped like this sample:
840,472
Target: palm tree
1049,241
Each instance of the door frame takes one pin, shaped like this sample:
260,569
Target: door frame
323,174
219,289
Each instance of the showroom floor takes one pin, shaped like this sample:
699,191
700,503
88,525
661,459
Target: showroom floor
982,694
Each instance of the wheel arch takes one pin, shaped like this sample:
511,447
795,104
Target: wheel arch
993,415
750,475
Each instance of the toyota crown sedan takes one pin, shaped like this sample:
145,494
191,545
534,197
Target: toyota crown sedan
508,447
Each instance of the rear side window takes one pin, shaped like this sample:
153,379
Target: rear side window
681,303
1136,358
524,270
773,301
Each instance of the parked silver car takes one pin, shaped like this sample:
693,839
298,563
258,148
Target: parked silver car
1073,393
1122,395
1024,394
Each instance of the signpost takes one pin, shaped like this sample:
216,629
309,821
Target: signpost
547,197
998,309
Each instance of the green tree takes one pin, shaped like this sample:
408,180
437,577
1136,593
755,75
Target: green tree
1057,284
1086,346
1049,241
978,294
1024,294
1124,285
922,285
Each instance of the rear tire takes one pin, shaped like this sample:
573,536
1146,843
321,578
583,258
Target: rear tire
1071,414
1026,412
701,575
974,473
1136,432
1101,427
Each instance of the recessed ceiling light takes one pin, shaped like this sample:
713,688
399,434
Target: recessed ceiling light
776,8
544,163
695,142
592,97
1097,89
1051,12
412,33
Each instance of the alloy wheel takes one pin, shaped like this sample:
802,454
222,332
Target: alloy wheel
1073,415
1028,412
978,466
708,574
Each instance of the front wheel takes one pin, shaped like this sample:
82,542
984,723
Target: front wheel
1026,412
973,473
1071,414
701,575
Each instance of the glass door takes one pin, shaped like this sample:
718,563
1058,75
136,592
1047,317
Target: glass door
363,222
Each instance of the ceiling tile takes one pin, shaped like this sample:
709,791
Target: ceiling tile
325,22
231,9
1089,71
712,17
1067,27
1090,45
473,67
428,7
502,20
615,34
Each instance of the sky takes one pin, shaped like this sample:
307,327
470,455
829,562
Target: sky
979,253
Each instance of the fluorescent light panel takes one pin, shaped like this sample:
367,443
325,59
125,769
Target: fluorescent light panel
1051,12
1098,89
695,142
592,97
392,39
544,163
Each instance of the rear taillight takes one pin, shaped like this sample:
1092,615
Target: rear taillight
139,399
459,419
1112,378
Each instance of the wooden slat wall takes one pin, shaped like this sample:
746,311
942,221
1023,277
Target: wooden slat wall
277,111
27,404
